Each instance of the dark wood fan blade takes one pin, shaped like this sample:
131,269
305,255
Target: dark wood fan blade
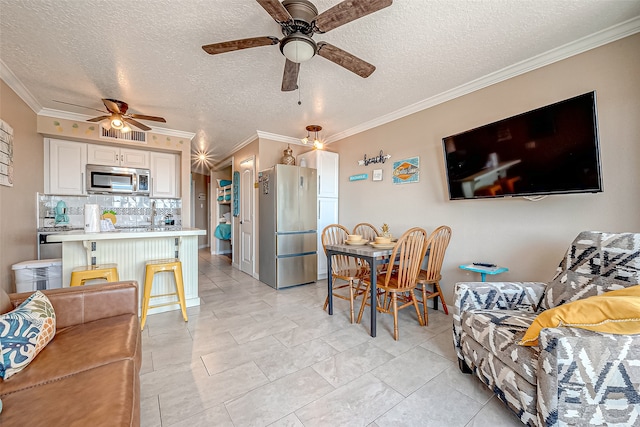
290,76
347,11
230,46
111,105
136,123
98,119
76,105
276,10
143,117
345,59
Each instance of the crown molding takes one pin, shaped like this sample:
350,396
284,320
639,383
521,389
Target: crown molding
18,87
66,115
568,50
240,145
259,135
279,138
173,132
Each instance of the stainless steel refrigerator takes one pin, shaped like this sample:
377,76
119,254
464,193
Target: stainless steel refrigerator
288,226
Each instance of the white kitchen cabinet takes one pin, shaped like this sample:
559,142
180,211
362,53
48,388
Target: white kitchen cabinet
65,164
164,175
115,156
327,214
326,163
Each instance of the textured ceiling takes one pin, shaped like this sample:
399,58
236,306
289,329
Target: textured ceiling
148,53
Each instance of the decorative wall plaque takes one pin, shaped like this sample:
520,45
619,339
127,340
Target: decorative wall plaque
6,154
406,171
380,158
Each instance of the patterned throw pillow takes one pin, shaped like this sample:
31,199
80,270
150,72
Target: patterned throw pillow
24,332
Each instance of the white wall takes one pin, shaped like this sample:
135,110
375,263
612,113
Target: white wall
528,237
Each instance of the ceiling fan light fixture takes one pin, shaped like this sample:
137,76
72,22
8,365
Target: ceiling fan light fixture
107,124
125,129
116,122
298,47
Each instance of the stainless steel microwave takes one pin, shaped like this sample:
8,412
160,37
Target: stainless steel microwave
116,180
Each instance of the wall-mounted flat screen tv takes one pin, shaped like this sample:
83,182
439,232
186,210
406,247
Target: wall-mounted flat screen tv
550,150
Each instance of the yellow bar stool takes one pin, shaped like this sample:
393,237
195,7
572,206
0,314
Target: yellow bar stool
108,272
157,266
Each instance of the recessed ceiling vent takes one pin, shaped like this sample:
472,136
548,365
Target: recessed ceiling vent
115,134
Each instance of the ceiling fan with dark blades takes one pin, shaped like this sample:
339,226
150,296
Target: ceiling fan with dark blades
300,20
117,115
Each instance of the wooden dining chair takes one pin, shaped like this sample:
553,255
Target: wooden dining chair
398,284
343,268
367,231
436,247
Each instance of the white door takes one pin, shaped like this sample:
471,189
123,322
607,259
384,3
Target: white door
247,214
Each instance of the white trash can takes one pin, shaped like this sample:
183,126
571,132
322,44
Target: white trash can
38,275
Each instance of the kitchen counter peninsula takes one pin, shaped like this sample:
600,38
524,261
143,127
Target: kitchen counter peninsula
130,249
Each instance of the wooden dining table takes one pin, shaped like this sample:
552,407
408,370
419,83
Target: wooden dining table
374,256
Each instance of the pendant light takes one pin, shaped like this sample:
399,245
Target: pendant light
316,140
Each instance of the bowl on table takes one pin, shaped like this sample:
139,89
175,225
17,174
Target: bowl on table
355,239
383,240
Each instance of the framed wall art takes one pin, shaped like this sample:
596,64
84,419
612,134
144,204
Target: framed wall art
406,171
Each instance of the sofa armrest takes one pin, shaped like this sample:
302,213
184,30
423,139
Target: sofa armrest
493,296
82,304
587,377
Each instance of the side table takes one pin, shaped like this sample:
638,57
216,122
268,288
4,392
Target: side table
484,270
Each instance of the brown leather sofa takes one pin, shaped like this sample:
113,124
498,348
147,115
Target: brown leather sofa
88,375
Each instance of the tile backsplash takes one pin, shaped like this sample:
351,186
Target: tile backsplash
131,211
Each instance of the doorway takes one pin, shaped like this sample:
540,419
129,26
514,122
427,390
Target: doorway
247,216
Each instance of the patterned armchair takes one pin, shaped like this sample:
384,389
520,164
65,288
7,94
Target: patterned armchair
573,376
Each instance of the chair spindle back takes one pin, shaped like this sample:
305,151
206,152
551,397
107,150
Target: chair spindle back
408,254
336,234
437,246
366,230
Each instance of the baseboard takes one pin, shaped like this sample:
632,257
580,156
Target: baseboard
221,252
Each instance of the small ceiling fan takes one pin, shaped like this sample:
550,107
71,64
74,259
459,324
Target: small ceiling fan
117,117
300,20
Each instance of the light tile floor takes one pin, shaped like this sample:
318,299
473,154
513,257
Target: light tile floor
254,356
